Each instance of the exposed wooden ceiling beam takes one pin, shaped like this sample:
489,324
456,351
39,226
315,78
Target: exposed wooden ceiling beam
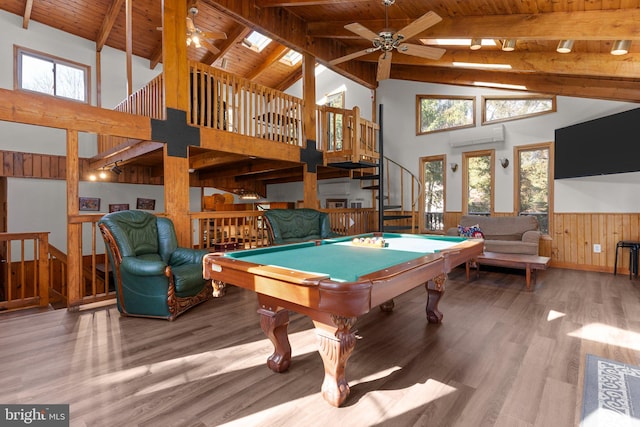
236,35
107,24
272,58
590,25
26,16
588,64
582,87
287,3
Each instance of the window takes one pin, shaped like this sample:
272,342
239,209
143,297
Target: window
256,41
534,182
437,113
39,72
500,109
478,173
432,176
335,120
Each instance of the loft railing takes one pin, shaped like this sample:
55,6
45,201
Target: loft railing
226,102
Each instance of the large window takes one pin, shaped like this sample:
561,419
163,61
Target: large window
438,113
500,109
478,173
432,176
533,182
39,72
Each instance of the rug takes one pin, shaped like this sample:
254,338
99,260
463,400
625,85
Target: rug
611,394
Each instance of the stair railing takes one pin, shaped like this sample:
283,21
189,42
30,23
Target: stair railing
408,198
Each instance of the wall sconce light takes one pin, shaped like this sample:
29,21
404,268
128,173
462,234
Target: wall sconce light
475,44
620,47
564,46
509,45
115,169
454,167
504,162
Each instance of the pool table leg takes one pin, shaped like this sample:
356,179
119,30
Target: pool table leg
274,325
335,346
435,290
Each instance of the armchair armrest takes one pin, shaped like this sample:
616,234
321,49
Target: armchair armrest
142,267
183,256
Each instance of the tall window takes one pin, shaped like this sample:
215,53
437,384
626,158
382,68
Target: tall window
534,182
432,176
478,173
39,72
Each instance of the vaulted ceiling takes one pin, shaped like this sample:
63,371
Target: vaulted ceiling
317,27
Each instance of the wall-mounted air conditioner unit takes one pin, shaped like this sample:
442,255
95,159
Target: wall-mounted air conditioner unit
473,136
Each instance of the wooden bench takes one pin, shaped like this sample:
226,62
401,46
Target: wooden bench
529,263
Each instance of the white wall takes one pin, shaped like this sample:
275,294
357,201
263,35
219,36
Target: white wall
595,194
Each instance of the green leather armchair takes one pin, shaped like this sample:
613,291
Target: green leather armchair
153,276
297,225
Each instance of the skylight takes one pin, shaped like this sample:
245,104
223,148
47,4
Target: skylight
256,41
291,58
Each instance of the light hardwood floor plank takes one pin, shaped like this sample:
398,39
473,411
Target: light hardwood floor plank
503,356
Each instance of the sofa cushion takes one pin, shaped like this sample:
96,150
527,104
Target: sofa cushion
501,228
473,231
511,247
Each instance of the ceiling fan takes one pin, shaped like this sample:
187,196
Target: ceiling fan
387,41
198,37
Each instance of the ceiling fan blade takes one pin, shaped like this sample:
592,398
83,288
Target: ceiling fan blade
210,47
425,21
384,66
351,56
190,27
421,51
218,35
361,30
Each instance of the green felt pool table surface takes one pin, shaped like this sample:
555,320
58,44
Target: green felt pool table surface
343,261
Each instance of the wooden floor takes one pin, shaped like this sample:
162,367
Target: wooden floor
502,357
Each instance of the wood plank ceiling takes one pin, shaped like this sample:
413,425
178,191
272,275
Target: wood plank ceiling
317,27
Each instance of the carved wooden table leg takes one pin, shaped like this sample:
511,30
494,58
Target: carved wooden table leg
435,290
219,288
274,325
335,350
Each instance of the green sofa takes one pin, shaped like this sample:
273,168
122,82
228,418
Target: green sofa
297,225
154,277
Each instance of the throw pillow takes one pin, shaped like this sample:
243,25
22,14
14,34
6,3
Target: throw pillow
473,232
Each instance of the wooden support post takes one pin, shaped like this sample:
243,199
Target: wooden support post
74,231
309,119
176,89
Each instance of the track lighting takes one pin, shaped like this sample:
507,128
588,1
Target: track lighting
475,44
564,46
509,45
620,47
115,169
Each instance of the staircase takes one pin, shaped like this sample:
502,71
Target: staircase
397,203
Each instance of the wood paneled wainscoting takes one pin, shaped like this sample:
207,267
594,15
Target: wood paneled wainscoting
572,236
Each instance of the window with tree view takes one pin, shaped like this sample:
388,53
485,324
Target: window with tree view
478,169
437,113
46,74
500,109
534,183
433,181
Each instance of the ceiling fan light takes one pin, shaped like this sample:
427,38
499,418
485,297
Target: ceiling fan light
509,45
475,44
564,46
620,47
196,41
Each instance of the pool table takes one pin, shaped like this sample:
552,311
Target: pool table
333,281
